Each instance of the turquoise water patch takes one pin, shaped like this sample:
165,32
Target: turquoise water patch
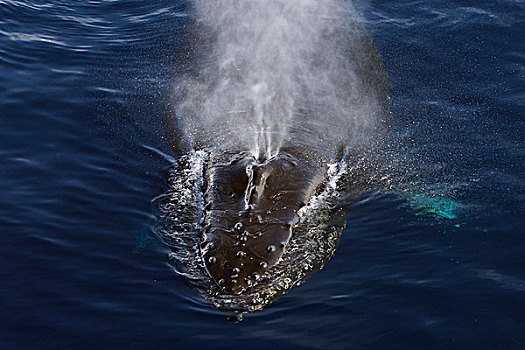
435,206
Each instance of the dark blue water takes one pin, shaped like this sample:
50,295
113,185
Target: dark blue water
82,89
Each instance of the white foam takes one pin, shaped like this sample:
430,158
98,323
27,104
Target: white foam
322,200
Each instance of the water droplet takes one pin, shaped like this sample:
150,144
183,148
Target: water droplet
240,254
271,248
236,270
282,244
212,259
221,281
256,276
234,318
263,264
238,226
234,276
234,281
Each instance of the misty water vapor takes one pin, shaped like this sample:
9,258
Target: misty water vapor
279,73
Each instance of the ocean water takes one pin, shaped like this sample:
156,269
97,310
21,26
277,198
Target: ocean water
82,88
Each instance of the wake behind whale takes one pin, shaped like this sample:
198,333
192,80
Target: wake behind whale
270,100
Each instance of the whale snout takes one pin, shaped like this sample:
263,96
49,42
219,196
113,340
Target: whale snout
251,209
237,258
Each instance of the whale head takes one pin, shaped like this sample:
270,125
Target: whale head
251,208
244,231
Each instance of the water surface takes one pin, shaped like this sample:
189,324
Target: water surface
82,89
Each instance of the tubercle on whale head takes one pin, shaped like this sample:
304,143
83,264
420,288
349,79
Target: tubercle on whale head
251,207
238,264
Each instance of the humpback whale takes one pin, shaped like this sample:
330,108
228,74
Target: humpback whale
270,104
